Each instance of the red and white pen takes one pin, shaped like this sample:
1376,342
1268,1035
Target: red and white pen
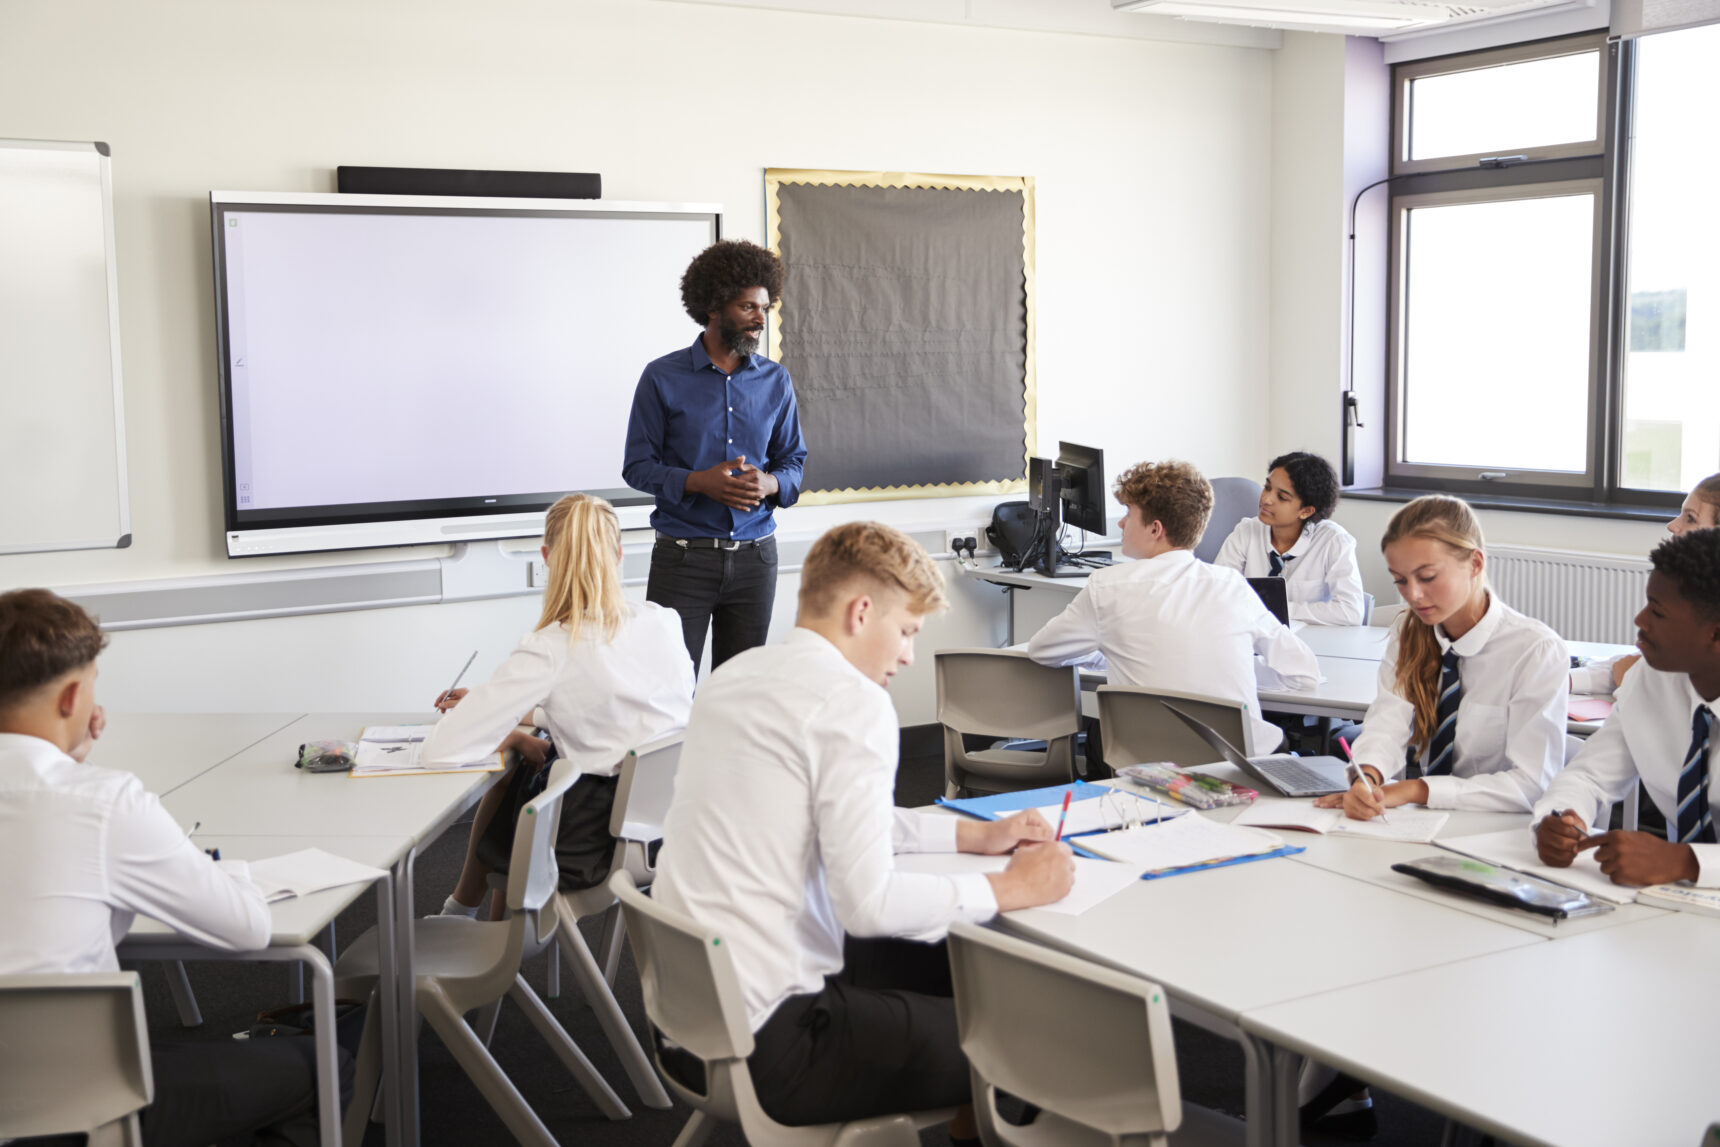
1064,815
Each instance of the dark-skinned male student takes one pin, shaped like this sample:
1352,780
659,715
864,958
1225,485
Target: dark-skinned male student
1664,729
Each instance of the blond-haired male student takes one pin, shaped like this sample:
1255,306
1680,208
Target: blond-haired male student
86,849
782,834
1169,620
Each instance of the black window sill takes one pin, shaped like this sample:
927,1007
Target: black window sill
1572,509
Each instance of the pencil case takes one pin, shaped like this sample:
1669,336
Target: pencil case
1197,790
326,756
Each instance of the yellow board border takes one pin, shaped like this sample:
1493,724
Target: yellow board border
775,177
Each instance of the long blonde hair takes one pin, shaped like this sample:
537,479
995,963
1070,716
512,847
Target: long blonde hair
1453,524
583,537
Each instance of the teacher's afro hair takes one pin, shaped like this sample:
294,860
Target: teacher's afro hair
1692,563
718,275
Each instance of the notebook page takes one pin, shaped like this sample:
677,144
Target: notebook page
1277,812
391,733
1180,843
1407,823
306,871
1515,848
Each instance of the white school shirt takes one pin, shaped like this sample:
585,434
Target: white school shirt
1595,678
85,849
599,698
783,829
1510,720
1173,622
1646,736
1321,580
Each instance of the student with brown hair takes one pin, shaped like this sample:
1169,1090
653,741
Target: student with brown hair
1700,511
781,838
1474,690
87,849
1170,621
608,674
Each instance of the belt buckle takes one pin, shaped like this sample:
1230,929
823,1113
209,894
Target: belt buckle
731,545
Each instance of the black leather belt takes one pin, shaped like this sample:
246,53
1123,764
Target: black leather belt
714,543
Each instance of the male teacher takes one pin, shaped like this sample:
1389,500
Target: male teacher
715,438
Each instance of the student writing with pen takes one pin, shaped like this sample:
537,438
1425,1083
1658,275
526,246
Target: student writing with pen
1664,729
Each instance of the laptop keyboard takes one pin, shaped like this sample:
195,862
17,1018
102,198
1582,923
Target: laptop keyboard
1291,773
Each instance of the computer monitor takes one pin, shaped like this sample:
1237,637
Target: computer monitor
1081,476
1043,486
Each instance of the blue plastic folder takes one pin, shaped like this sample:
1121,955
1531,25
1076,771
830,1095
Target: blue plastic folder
1000,805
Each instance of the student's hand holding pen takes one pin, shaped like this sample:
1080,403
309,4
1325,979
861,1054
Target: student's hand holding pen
1560,837
1641,858
1040,874
446,701
994,837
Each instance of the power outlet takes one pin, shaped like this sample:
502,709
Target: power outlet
977,533
537,574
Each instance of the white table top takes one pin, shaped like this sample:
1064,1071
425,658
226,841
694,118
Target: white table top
259,792
1600,1039
299,919
1233,939
1356,642
166,750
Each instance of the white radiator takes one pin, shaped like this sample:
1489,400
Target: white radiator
1584,597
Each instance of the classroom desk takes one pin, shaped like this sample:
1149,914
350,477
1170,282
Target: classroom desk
1515,1042
295,924
258,792
165,750
1353,642
1225,942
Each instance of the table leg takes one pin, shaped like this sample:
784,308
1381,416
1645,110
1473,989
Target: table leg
1286,1115
1258,1102
387,1004
406,1004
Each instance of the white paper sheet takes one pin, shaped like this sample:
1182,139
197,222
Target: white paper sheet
1515,848
1106,813
306,871
1409,825
382,733
1180,843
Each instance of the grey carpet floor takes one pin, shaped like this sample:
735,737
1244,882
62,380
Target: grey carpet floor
454,1113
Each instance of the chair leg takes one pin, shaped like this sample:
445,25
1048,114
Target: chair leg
552,982
367,1074
183,999
498,1090
609,944
615,1026
567,1051
484,1023
697,1130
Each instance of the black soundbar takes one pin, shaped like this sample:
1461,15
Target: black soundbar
453,181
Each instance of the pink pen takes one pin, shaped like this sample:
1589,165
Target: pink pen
1064,815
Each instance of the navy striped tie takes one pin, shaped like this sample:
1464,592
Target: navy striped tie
1695,816
1439,753
1278,563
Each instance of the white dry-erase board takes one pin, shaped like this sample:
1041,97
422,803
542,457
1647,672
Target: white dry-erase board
62,416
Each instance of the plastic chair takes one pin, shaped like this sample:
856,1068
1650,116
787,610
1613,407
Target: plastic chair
693,998
1005,693
1232,500
1090,1046
74,1057
463,964
1135,728
1367,609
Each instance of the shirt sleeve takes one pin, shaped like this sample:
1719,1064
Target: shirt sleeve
642,465
1070,638
1233,554
1601,773
1281,659
478,725
154,870
787,452
1341,591
924,832
1595,678
855,751
1389,724
1535,716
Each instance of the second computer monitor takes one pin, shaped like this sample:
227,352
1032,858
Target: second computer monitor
1081,474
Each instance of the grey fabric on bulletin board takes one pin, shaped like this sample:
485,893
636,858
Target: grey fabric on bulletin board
904,326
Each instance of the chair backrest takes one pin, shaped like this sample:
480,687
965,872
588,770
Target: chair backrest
1367,609
1137,729
1232,500
1004,692
74,1053
533,874
1087,1044
692,994
645,786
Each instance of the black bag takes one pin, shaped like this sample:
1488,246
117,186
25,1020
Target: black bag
1014,531
584,848
300,1019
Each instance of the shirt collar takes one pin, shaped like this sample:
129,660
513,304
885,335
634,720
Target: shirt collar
1303,541
826,650
36,752
702,357
1472,642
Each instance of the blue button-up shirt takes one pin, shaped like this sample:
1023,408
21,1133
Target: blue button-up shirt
688,415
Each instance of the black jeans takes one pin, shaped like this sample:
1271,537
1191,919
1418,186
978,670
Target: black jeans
880,1038
728,591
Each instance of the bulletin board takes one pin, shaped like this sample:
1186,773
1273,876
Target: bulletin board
907,325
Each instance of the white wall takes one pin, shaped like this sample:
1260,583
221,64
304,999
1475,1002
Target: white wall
1153,163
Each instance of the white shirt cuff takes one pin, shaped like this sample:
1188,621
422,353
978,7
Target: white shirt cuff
1707,865
1594,679
1441,791
936,833
976,902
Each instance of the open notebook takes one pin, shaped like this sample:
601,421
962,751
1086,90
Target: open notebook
1187,843
306,871
392,750
1405,824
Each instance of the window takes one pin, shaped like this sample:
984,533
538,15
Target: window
1497,328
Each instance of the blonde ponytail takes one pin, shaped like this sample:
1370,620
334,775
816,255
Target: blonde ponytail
583,537
1453,524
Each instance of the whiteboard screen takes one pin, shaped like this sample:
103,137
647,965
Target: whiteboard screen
62,425
387,362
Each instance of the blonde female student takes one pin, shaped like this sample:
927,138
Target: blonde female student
1701,511
609,674
1474,690
1294,538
